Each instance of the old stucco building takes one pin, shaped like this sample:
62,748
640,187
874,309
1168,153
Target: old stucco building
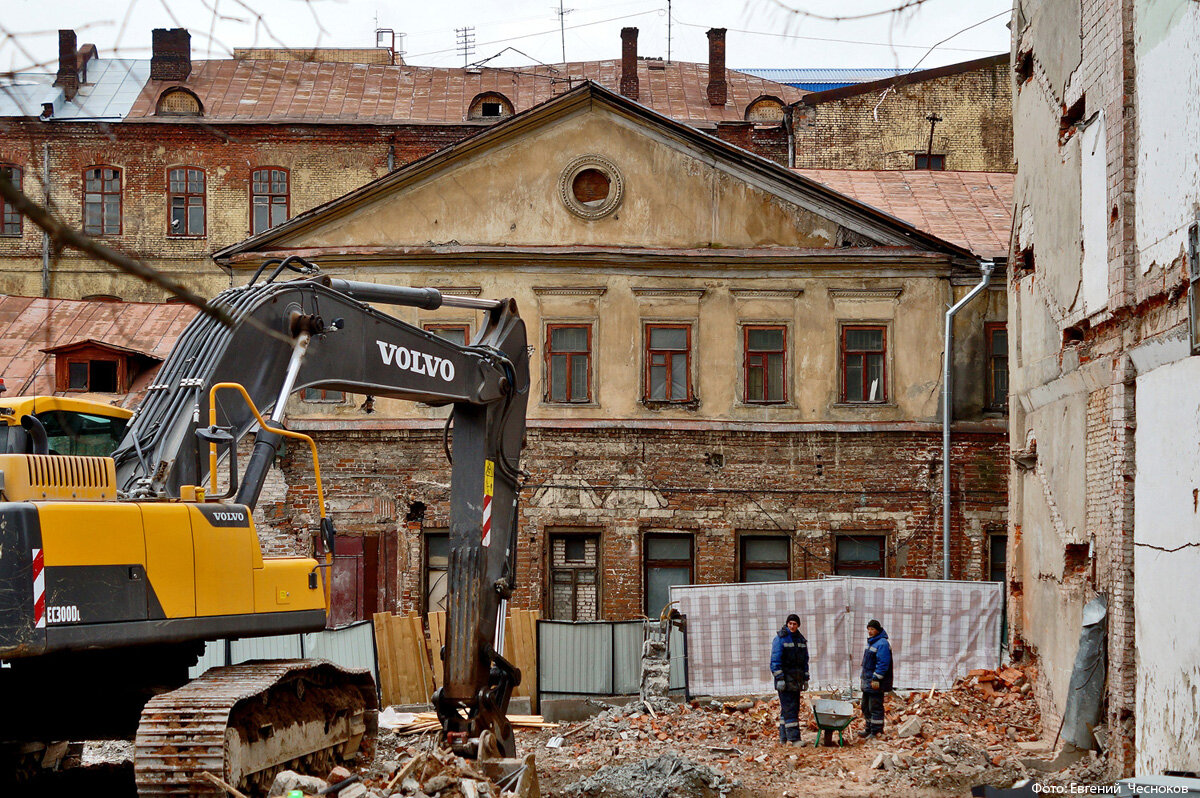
735,366
1103,428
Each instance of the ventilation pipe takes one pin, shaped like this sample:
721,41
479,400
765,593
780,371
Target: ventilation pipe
948,404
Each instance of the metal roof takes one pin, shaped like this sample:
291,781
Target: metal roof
112,87
823,75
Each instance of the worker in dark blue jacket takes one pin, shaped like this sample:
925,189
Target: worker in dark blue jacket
876,678
789,666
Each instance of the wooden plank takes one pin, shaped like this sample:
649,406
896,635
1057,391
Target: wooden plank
533,660
437,639
409,668
383,651
420,653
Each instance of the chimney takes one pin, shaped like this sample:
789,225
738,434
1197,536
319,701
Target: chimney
718,92
68,64
737,133
171,57
629,75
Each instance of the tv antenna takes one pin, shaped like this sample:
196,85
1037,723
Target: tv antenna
562,26
466,43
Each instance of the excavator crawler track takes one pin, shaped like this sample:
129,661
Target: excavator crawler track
245,723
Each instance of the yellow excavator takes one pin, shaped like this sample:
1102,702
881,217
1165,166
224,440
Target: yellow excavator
127,540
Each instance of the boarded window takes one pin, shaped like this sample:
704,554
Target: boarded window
864,351
668,362
490,105
667,561
269,199
574,576
766,358
568,363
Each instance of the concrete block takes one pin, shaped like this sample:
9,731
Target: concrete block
909,728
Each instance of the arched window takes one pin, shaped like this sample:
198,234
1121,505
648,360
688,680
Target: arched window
765,108
269,198
490,105
185,201
102,201
178,102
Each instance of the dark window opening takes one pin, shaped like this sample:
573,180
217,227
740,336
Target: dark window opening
591,187
667,561
93,376
1075,559
864,356
997,365
10,219
997,557
859,555
668,362
766,360
569,363
491,109
923,160
765,558
1071,118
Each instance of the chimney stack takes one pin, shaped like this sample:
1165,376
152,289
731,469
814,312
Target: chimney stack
171,57
629,74
718,91
68,64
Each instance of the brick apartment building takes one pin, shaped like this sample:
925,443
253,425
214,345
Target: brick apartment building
170,159
1103,311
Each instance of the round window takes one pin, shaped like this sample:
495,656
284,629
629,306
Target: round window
591,187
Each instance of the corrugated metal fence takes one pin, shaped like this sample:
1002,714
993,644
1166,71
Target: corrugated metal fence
351,646
598,658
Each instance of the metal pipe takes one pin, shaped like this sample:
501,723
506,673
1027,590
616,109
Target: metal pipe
986,268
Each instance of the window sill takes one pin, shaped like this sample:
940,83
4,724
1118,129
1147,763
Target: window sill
864,405
661,404
565,405
756,405
182,237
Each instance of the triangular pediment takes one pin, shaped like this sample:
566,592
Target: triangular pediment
591,169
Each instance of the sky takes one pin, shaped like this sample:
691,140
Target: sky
761,33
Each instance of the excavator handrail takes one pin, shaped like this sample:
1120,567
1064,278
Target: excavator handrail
287,433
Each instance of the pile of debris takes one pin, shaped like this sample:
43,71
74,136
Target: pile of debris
668,774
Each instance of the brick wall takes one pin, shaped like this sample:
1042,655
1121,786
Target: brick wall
882,129
623,484
325,162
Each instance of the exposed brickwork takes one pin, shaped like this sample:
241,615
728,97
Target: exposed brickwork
883,129
622,485
323,161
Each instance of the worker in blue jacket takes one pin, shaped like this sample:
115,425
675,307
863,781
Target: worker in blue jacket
789,666
876,678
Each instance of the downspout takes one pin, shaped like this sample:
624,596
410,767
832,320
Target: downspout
948,404
789,131
45,235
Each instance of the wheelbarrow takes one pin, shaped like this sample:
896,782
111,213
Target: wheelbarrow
832,716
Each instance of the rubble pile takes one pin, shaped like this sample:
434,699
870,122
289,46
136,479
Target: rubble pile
669,774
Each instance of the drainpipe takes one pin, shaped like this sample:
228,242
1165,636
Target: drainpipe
46,204
948,404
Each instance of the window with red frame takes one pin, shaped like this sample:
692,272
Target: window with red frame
766,359
102,201
997,360
569,363
269,199
668,362
864,360
185,198
10,219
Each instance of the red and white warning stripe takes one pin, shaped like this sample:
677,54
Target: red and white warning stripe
39,590
489,487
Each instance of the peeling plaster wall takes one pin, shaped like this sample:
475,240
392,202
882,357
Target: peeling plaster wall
1166,564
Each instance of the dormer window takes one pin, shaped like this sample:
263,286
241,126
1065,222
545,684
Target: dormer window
491,106
91,366
765,109
178,102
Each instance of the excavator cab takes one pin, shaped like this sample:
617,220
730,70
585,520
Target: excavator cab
60,425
